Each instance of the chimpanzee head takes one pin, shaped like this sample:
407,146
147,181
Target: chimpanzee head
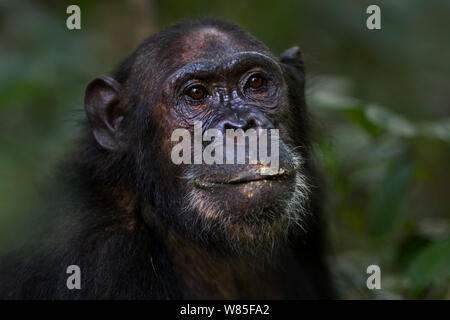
213,73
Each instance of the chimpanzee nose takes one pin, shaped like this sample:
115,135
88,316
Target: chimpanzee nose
244,122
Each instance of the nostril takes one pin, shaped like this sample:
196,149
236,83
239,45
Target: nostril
251,123
228,125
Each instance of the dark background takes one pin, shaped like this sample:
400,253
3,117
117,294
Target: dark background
381,101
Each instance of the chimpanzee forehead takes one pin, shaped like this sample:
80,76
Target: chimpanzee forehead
176,51
209,43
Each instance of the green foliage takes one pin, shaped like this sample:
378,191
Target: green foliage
372,153
430,267
388,197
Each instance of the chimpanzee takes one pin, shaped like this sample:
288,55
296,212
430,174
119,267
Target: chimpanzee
139,226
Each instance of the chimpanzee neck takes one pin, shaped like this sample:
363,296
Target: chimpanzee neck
203,273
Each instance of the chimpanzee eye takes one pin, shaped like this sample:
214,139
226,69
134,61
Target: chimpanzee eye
196,92
255,81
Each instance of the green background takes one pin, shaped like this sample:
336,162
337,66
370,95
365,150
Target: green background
380,100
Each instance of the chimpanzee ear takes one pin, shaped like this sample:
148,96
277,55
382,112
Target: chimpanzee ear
292,55
104,111
292,61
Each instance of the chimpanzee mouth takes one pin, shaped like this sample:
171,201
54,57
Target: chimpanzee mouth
244,177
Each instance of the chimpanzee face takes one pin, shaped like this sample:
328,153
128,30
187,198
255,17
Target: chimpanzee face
235,89
216,81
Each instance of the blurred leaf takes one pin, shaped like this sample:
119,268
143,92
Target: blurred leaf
409,247
334,101
431,266
437,129
359,117
389,197
388,120
374,118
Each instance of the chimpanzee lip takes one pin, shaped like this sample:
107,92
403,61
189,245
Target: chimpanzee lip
242,177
